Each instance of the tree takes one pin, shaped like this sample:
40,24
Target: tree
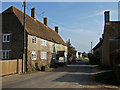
71,51
84,54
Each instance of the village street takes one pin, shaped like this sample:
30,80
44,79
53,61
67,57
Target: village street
76,75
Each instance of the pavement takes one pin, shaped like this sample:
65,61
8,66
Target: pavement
77,75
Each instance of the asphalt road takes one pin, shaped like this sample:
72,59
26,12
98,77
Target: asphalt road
76,75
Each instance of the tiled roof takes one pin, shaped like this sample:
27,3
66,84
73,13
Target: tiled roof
34,27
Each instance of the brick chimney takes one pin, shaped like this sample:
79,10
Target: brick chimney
107,16
56,29
46,21
33,13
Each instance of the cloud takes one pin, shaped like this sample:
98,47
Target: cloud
100,13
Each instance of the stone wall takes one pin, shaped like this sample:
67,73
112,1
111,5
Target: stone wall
38,48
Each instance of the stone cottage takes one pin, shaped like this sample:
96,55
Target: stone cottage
43,43
109,41
109,50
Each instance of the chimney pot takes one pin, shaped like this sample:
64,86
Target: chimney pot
107,16
56,29
33,13
46,21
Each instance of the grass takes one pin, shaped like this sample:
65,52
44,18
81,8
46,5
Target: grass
82,59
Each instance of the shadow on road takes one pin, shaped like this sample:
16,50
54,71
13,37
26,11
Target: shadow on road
80,72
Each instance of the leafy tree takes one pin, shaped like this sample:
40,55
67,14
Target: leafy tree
84,54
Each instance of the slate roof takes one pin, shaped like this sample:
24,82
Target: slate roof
34,27
98,45
113,29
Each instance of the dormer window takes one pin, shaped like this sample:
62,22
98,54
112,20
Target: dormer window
6,37
33,39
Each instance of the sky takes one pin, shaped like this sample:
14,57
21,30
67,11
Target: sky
81,22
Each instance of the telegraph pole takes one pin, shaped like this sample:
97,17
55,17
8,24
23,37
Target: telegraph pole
25,43
91,47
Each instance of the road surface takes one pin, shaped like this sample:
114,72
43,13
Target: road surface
76,75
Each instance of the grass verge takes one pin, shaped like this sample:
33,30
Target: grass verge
82,59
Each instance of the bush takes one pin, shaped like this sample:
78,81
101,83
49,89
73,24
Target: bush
93,59
43,68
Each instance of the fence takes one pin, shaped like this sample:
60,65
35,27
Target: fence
11,66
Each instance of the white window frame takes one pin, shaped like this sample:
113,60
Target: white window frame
61,46
34,56
6,38
43,55
6,51
34,39
43,42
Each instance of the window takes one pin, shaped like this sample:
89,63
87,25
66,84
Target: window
53,44
61,46
6,37
5,54
33,55
43,42
43,55
33,39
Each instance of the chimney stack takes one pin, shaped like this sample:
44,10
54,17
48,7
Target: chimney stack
46,21
100,39
33,13
107,16
102,36
56,29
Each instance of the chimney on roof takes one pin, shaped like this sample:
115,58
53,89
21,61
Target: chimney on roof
56,29
107,16
33,13
102,36
46,21
100,39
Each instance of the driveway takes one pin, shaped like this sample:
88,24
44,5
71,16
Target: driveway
77,75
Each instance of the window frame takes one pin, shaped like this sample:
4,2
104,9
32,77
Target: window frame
61,46
43,55
6,38
34,56
34,39
43,42
5,54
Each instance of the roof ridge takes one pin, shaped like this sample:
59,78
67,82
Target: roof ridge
16,11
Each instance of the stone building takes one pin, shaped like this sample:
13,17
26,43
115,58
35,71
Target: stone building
109,50
97,51
43,43
110,41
